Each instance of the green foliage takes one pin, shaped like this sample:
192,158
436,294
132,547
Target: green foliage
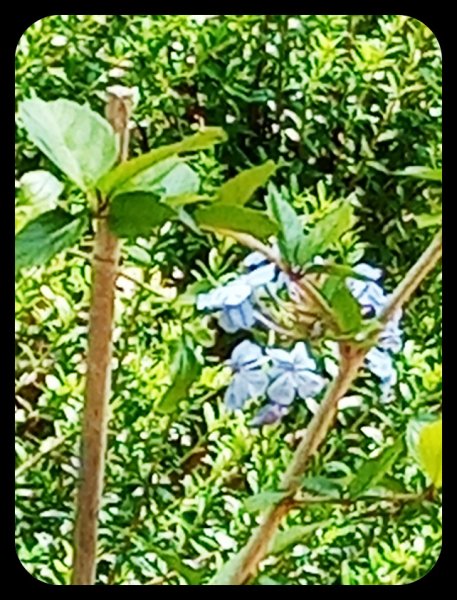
47,235
134,214
240,188
227,217
342,103
75,138
123,173
373,470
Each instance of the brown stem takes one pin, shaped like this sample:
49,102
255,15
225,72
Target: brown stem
351,359
105,264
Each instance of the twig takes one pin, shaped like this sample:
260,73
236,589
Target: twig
352,358
98,383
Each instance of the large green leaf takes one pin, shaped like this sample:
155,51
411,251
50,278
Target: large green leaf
184,370
240,188
324,233
429,220
47,235
137,214
75,138
132,168
374,470
38,193
429,451
290,235
150,179
182,179
235,218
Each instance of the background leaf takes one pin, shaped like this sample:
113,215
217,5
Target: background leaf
430,451
135,214
372,471
290,235
240,188
47,235
184,370
324,233
262,501
123,173
235,218
75,138
426,173
295,535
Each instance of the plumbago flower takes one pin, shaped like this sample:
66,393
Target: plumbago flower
235,302
280,374
372,298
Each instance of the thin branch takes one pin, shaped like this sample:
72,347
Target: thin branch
352,358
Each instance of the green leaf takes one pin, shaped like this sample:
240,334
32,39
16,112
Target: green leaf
125,171
265,580
430,451
192,576
345,307
150,179
322,485
426,173
47,235
295,535
427,220
290,235
75,138
181,180
413,431
136,214
262,501
184,370
325,232
341,271
240,188
235,218
374,470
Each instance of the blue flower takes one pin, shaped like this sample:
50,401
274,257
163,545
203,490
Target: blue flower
293,373
234,300
372,298
249,380
269,414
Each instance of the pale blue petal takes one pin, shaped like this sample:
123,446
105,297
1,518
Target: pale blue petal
257,382
301,358
309,384
254,260
237,393
237,317
246,352
269,414
368,271
279,356
282,390
236,293
260,276
380,363
211,300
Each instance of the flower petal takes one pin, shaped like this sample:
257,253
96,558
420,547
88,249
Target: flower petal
271,413
236,293
212,300
279,356
257,381
301,358
260,276
282,390
380,363
237,393
246,352
254,260
368,271
309,384
237,317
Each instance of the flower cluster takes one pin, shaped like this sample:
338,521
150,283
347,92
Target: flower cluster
235,302
274,372
279,374
372,299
